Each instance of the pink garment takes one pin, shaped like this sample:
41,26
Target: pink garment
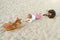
37,16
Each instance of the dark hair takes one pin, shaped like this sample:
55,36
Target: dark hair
53,13
29,16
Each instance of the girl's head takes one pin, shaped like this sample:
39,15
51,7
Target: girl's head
29,16
50,13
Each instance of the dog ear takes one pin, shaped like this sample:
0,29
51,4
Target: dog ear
17,18
20,19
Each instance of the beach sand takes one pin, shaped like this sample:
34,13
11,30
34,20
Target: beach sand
42,29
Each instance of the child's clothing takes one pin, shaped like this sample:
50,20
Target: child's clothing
34,17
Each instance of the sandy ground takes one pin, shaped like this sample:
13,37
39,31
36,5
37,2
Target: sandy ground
42,29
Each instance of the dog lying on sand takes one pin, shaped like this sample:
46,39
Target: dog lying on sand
50,13
11,26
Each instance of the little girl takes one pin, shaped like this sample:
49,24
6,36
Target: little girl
50,13
32,17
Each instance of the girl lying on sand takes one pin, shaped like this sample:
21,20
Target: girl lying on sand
32,17
50,13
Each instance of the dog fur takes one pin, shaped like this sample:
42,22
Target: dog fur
11,26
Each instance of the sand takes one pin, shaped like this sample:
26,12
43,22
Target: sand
42,29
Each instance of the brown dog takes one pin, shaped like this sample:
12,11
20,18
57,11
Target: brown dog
11,26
